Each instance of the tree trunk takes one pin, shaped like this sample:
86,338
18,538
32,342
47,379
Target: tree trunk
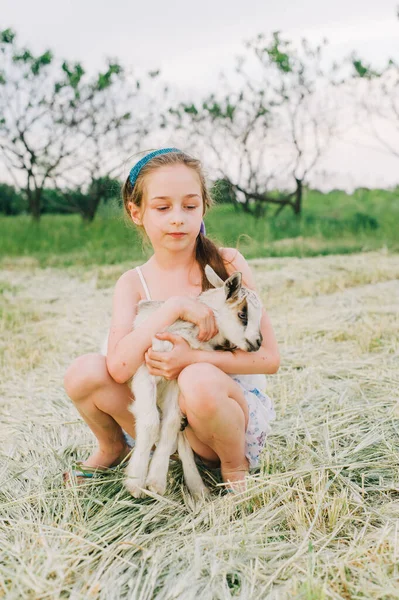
246,205
90,211
34,201
88,217
259,210
297,205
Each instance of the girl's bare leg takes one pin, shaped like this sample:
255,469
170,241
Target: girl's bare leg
215,406
103,404
217,413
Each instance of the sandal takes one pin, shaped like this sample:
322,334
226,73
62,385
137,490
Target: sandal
81,471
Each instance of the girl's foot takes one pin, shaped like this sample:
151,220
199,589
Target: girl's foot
99,461
104,459
235,478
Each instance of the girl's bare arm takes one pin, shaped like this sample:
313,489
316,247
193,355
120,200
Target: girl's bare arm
126,348
265,360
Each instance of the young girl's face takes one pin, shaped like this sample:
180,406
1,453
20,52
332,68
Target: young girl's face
172,204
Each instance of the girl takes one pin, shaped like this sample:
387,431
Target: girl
228,414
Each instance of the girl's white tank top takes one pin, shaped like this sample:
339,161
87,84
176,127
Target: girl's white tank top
144,283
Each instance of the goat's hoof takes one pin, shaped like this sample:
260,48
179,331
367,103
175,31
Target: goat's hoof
199,493
204,494
134,487
156,486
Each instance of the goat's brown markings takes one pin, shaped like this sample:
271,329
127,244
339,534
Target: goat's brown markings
226,345
243,307
246,297
252,298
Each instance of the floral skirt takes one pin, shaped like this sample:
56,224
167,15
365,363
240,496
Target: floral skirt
261,414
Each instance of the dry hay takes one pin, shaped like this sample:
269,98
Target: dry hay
320,519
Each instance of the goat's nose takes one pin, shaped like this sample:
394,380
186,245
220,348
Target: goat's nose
253,347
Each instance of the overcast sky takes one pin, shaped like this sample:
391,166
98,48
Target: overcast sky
191,42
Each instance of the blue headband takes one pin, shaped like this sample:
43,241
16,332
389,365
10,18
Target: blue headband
134,173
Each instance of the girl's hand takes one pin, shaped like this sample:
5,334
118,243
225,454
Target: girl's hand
169,364
198,313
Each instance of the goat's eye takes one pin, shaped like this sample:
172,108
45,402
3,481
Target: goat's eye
242,316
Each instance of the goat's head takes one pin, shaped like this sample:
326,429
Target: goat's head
239,311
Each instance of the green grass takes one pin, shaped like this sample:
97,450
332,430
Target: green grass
334,223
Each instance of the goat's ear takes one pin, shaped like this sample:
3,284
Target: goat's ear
232,285
212,277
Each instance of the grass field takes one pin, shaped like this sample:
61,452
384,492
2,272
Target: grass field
320,519
333,223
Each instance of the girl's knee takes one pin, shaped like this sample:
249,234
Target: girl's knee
203,387
198,378
86,374
200,389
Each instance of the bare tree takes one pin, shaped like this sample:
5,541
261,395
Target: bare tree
116,124
377,101
267,129
38,114
58,124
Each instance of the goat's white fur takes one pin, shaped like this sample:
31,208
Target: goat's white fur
153,392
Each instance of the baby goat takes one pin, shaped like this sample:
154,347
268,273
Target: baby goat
238,312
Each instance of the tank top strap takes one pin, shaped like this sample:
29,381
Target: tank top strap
144,284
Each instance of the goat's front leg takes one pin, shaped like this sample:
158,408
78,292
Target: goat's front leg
145,411
170,426
191,474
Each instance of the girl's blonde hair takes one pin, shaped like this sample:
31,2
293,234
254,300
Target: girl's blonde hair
205,250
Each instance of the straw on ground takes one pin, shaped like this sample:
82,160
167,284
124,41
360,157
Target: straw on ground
319,521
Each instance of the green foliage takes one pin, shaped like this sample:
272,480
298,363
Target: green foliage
25,56
106,188
7,36
36,63
277,55
11,201
78,201
356,223
105,79
54,201
362,70
101,190
190,109
62,202
222,192
219,110
41,61
74,73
